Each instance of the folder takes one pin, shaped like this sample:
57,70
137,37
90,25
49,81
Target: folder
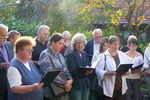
49,77
137,67
123,68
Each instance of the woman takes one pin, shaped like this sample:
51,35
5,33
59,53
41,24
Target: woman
76,59
103,47
133,79
114,86
51,60
146,66
22,74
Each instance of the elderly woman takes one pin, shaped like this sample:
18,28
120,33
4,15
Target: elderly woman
51,60
22,74
114,86
76,59
13,35
133,79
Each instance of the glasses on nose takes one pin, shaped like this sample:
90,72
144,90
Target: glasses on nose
3,35
83,43
29,50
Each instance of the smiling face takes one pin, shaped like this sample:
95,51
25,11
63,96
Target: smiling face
79,45
98,37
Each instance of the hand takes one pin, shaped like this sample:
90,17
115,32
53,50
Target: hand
127,73
37,86
88,72
111,73
68,86
4,65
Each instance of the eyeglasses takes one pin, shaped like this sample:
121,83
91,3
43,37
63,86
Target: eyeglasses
98,37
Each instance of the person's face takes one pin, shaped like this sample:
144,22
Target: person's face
114,46
105,46
3,38
14,38
132,47
67,39
57,46
98,37
79,46
43,35
26,52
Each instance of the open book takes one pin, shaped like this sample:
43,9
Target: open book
123,68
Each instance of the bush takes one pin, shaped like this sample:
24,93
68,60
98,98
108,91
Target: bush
17,24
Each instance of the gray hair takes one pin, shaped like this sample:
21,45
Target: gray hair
66,32
4,27
77,37
132,37
43,27
97,31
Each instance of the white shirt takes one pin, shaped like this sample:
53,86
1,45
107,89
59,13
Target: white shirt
147,60
109,81
137,60
14,76
96,46
95,56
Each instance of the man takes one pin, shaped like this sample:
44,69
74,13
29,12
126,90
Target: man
93,45
4,61
67,43
41,43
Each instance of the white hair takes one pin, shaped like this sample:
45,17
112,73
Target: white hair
132,37
2,26
66,32
97,31
77,37
43,27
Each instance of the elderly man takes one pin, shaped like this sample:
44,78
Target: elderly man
41,43
4,61
67,43
93,45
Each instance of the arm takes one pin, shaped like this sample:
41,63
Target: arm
16,85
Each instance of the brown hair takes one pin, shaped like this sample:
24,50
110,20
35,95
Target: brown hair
23,41
132,40
113,39
12,33
55,38
104,40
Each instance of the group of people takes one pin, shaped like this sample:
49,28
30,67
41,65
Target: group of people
24,60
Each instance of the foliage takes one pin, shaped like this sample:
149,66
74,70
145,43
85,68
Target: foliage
20,25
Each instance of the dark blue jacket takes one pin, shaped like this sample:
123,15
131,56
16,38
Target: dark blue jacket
74,61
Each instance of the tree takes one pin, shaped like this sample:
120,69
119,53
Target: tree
132,12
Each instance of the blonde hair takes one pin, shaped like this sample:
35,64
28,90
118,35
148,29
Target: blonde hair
77,37
24,41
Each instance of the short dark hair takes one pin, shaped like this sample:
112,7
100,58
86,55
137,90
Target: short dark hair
113,39
55,37
23,41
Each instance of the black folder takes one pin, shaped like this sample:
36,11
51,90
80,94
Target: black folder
123,68
138,67
49,77
85,68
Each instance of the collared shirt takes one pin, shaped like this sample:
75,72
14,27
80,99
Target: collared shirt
4,53
104,65
137,60
38,49
96,46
